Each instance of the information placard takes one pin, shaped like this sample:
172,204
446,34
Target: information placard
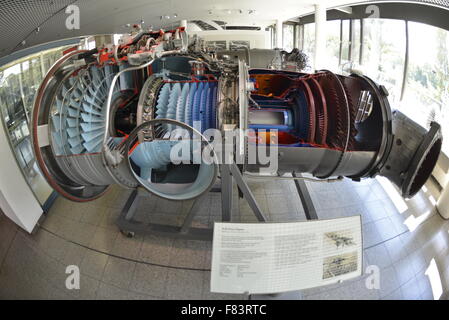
263,258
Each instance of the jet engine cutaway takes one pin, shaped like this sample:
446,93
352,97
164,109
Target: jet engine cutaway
106,116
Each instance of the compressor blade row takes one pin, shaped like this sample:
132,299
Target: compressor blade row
78,117
193,103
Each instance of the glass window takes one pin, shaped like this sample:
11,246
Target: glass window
49,59
309,42
116,37
288,36
10,96
270,37
426,96
298,36
384,54
31,77
355,42
333,45
19,83
237,44
219,44
345,41
273,37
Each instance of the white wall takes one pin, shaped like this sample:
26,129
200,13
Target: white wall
17,201
441,171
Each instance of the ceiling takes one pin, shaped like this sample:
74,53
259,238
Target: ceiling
26,23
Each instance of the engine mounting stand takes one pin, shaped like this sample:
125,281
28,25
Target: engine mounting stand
229,172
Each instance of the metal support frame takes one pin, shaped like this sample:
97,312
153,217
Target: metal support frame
229,173
130,227
306,199
310,212
246,192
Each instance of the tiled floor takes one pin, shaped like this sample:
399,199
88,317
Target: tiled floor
402,238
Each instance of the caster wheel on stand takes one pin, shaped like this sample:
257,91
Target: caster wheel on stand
128,234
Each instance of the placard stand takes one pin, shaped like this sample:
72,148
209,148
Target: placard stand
310,213
229,173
